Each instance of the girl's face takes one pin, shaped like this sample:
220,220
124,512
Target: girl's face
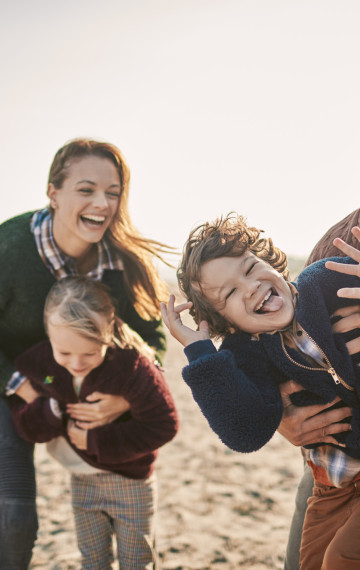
86,204
78,354
248,292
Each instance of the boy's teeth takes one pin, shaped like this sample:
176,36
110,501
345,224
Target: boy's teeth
263,301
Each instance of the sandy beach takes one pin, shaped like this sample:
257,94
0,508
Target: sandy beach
218,509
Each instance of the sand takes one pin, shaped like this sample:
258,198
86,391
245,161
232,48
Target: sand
217,509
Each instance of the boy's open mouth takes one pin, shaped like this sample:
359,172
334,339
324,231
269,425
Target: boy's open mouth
271,303
93,220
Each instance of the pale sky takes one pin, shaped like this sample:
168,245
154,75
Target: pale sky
218,105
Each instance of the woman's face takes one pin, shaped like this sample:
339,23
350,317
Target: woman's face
85,205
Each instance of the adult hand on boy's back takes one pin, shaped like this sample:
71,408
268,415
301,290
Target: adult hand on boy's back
349,292
182,333
349,322
306,425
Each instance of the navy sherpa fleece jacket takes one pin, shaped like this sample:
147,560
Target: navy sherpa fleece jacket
237,386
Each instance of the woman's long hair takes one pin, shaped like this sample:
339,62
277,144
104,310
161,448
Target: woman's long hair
143,285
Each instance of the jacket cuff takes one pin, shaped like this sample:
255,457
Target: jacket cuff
199,349
52,413
16,380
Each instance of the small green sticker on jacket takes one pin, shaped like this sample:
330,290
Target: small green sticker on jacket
49,380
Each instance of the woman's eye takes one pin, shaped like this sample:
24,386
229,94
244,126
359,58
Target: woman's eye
85,190
114,195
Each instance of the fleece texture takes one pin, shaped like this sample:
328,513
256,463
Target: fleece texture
237,386
127,446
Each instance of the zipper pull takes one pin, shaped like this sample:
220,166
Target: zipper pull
334,375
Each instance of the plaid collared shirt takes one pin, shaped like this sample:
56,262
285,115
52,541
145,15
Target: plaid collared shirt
330,465
61,265
307,346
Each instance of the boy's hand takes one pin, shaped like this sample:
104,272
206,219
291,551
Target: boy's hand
77,436
184,334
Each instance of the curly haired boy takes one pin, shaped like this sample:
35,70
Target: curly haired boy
237,288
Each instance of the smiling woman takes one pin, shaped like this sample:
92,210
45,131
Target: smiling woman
85,230
84,206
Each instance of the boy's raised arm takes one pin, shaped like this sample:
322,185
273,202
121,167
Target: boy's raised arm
172,319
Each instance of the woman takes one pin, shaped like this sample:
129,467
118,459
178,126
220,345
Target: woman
86,230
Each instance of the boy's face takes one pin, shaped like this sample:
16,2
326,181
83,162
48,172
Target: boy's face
248,293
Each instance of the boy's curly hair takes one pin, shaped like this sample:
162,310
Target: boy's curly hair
228,236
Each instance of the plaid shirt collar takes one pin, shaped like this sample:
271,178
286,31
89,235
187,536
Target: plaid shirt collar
328,462
62,265
306,345
332,465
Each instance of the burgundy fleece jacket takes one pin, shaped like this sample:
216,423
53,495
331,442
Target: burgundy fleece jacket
128,445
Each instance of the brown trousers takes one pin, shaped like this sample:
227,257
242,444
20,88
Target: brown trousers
331,533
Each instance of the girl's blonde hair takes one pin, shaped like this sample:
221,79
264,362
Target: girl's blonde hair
228,236
85,306
142,282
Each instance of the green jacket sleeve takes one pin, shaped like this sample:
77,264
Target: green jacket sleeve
6,366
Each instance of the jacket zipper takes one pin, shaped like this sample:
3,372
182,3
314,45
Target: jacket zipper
331,370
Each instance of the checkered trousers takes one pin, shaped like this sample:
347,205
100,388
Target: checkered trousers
107,504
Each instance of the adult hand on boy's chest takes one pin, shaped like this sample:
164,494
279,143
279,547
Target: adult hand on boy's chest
310,424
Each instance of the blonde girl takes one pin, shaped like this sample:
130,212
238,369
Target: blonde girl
112,466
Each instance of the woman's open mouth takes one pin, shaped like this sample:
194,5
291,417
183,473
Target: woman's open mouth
93,220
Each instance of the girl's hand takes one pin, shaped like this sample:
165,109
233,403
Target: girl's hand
27,392
182,333
77,436
348,292
101,409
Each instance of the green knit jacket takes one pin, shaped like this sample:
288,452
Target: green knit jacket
24,284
